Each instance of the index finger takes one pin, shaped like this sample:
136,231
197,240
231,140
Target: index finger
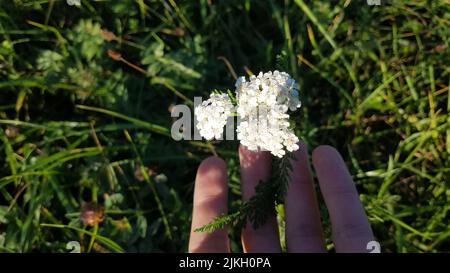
210,201
350,226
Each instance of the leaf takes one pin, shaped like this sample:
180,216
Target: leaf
20,100
3,213
141,225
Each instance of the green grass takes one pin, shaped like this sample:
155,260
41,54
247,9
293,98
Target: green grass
80,123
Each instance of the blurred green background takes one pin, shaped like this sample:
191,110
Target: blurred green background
86,92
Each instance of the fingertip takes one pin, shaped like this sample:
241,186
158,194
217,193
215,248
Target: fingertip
302,143
331,169
302,149
251,159
324,152
246,154
212,164
211,178
255,166
300,162
324,149
243,148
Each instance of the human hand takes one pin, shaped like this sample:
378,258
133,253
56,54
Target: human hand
351,230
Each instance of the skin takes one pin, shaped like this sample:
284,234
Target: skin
351,230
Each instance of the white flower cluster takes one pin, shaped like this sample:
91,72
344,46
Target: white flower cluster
262,104
73,2
212,115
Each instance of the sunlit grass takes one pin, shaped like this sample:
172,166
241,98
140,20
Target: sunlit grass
85,95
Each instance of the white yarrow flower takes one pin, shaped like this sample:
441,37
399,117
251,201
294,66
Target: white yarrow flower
212,116
262,103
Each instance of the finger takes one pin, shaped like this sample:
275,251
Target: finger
210,201
256,167
303,228
350,226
